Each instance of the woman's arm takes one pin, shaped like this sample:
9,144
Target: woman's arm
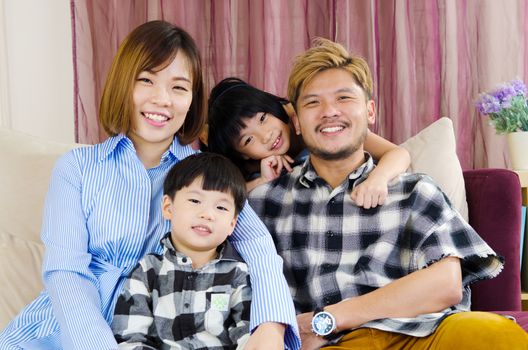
392,161
272,305
72,287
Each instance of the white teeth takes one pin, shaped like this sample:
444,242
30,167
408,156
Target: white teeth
156,117
332,129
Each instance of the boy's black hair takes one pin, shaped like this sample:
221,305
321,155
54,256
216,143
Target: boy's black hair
231,102
218,174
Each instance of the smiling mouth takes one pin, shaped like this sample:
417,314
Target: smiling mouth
276,143
202,230
331,129
159,118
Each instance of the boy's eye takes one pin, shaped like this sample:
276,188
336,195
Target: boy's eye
192,200
222,208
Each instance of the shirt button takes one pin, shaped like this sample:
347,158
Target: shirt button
186,305
184,260
190,277
330,233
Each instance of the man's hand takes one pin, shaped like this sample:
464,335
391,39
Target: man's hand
267,336
308,338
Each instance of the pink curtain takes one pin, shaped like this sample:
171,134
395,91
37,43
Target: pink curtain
429,58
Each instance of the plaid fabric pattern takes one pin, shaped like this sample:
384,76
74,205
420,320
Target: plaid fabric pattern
333,249
166,304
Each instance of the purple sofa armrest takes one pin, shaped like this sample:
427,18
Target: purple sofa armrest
494,203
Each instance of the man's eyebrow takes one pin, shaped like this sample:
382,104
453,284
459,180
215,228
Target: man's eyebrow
338,91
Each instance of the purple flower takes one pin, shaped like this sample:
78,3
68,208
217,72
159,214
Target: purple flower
487,104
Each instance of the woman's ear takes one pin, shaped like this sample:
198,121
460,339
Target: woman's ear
166,207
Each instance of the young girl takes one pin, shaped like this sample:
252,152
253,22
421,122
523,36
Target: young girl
252,128
103,213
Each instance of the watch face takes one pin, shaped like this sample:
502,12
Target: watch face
323,323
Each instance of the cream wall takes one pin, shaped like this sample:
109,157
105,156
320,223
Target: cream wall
36,69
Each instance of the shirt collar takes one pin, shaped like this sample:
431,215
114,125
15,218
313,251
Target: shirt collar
309,176
225,250
176,149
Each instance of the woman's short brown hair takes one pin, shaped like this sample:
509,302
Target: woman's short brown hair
151,46
323,55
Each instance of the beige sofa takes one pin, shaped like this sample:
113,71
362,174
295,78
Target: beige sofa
27,162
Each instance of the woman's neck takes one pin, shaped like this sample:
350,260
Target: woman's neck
149,153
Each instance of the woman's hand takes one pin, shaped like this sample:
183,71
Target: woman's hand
271,167
371,192
267,336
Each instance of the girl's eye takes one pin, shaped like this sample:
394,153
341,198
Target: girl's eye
263,117
247,141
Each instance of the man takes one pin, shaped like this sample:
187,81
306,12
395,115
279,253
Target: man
394,276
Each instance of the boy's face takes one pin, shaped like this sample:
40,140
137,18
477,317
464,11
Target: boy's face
200,220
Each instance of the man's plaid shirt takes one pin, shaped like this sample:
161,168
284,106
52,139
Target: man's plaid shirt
333,249
166,304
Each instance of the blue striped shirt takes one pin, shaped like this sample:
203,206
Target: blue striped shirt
102,215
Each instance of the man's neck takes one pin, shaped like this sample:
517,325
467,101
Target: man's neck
334,172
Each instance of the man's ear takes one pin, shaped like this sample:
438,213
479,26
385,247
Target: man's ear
295,122
166,207
371,112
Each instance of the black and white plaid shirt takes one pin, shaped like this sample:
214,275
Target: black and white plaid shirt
333,249
166,304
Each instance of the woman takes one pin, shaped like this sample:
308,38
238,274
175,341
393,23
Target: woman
252,128
103,208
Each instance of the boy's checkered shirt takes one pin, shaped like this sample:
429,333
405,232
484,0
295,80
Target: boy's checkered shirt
333,249
168,304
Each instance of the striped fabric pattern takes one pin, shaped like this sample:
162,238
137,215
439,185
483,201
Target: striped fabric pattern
334,249
167,303
102,215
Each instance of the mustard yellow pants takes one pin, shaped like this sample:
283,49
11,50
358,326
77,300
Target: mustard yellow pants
465,330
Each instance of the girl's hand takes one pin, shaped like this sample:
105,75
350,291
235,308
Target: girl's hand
371,192
271,167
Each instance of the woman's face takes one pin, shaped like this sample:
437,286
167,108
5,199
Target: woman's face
161,100
264,135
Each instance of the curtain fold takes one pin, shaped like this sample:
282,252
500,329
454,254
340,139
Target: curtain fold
428,58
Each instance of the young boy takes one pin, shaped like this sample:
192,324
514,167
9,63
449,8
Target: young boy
196,294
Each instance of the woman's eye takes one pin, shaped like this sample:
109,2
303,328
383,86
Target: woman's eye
145,80
180,88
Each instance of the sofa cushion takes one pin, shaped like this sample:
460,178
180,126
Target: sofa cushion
27,162
433,152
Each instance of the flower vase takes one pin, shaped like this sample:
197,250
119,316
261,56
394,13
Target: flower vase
518,149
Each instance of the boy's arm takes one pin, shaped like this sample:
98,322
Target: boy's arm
392,161
133,317
240,311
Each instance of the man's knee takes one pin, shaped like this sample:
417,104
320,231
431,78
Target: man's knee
480,330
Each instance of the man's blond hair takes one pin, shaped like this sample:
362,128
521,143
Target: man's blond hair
323,55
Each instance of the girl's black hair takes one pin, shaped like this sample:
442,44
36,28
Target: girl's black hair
218,174
231,102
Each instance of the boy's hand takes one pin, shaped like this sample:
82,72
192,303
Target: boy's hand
268,335
371,192
271,167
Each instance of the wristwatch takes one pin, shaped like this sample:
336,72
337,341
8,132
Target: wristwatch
323,323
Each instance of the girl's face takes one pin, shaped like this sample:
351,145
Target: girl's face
161,101
264,135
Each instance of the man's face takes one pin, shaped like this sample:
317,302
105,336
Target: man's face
332,115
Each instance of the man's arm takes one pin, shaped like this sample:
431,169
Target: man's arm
428,290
